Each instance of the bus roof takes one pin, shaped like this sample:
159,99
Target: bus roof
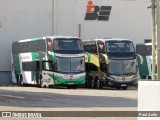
31,39
107,39
67,37
40,38
143,44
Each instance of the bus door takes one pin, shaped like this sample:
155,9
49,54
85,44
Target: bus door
47,73
38,68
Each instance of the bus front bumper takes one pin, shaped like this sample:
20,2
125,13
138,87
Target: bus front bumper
120,82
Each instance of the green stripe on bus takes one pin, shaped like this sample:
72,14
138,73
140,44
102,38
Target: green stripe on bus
61,81
34,56
33,39
89,57
143,68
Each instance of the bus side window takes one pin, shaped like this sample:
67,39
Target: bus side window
91,48
31,66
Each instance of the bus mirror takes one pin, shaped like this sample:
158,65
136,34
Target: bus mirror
136,68
51,53
141,58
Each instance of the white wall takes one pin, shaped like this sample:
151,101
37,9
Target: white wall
128,19
21,19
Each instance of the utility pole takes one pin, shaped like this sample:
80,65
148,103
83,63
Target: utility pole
158,39
154,40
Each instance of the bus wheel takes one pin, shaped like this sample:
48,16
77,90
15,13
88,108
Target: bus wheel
90,82
96,83
118,87
48,86
69,87
74,86
125,88
101,85
21,80
41,82
43,86
17,78
149,77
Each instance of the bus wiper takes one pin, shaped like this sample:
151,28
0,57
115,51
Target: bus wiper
130,73
65,70
117,73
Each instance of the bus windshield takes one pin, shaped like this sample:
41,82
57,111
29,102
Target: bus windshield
129,66
116,67
67,65
122,67
119,46
67,44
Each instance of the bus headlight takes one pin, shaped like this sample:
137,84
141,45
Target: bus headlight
134,77
103,78
112,78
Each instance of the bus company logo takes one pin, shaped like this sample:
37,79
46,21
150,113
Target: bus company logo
71,77
97,12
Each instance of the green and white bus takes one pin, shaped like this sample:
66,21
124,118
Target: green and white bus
144,51
48,61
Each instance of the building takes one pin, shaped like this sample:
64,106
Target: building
22,19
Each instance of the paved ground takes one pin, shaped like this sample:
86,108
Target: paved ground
61,99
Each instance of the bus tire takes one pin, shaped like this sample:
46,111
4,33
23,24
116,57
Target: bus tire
90,82
143,77
101,85
43,86
69,87
21,81
149,77
87,81
125,88
48,86
41,82
74,87
96,82
118,87
17,78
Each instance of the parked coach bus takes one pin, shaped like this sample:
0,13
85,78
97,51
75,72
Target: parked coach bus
47,61
145,51
110,62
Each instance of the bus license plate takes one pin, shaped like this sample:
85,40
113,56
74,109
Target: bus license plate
70,83
123,85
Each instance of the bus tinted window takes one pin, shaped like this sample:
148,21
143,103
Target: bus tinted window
30,46
90,47
119,46
144,50
30,66
15,48
68,44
